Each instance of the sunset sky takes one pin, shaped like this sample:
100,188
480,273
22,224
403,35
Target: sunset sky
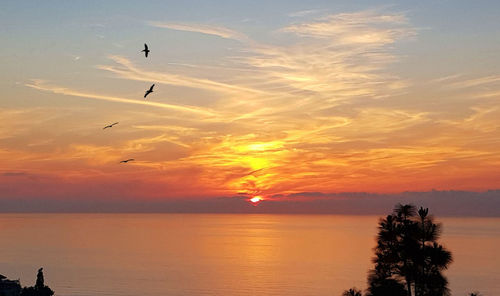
252,98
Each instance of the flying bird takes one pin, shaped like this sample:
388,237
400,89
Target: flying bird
127,160
111,125
150,90
145,50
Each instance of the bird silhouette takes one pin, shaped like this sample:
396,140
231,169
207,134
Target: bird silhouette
150,90
108,126
127,160
145,50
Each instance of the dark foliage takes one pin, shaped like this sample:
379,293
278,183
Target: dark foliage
408,259
382,286
33,291
352,292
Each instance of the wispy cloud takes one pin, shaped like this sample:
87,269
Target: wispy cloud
455,83
219,31
338,57
366,27
42,85
127,70
307,12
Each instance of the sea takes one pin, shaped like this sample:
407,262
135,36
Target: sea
224,254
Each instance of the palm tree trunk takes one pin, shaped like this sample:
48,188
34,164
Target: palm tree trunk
421,280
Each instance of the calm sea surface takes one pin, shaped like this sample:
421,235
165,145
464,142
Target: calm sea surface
214,254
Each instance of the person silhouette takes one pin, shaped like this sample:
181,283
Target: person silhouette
39,279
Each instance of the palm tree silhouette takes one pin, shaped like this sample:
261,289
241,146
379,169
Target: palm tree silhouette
408,255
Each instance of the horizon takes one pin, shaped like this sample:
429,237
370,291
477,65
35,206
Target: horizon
442,203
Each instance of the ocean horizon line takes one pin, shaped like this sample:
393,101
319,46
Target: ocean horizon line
444,203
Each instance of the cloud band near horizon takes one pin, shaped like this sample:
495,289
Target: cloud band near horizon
442,203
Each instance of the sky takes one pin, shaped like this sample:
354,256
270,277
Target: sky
276,99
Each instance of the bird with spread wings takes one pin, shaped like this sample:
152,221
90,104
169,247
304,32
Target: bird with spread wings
111,125
150,90
127,160
145,50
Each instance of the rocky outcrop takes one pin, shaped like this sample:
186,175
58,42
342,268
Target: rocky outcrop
9,287
39,289
13,288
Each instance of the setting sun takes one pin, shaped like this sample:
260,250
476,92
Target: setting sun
256,199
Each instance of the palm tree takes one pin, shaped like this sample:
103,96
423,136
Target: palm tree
404,215
352,292
386,251
384,279
432,258
408,254
404,212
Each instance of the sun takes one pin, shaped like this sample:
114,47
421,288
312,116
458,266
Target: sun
255,199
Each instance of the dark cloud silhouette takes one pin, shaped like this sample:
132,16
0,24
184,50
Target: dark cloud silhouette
450,203
14,174
443,203
18,175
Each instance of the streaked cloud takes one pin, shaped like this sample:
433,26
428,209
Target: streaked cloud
219,31
455,83
127,70
41,85
366,27
302,13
